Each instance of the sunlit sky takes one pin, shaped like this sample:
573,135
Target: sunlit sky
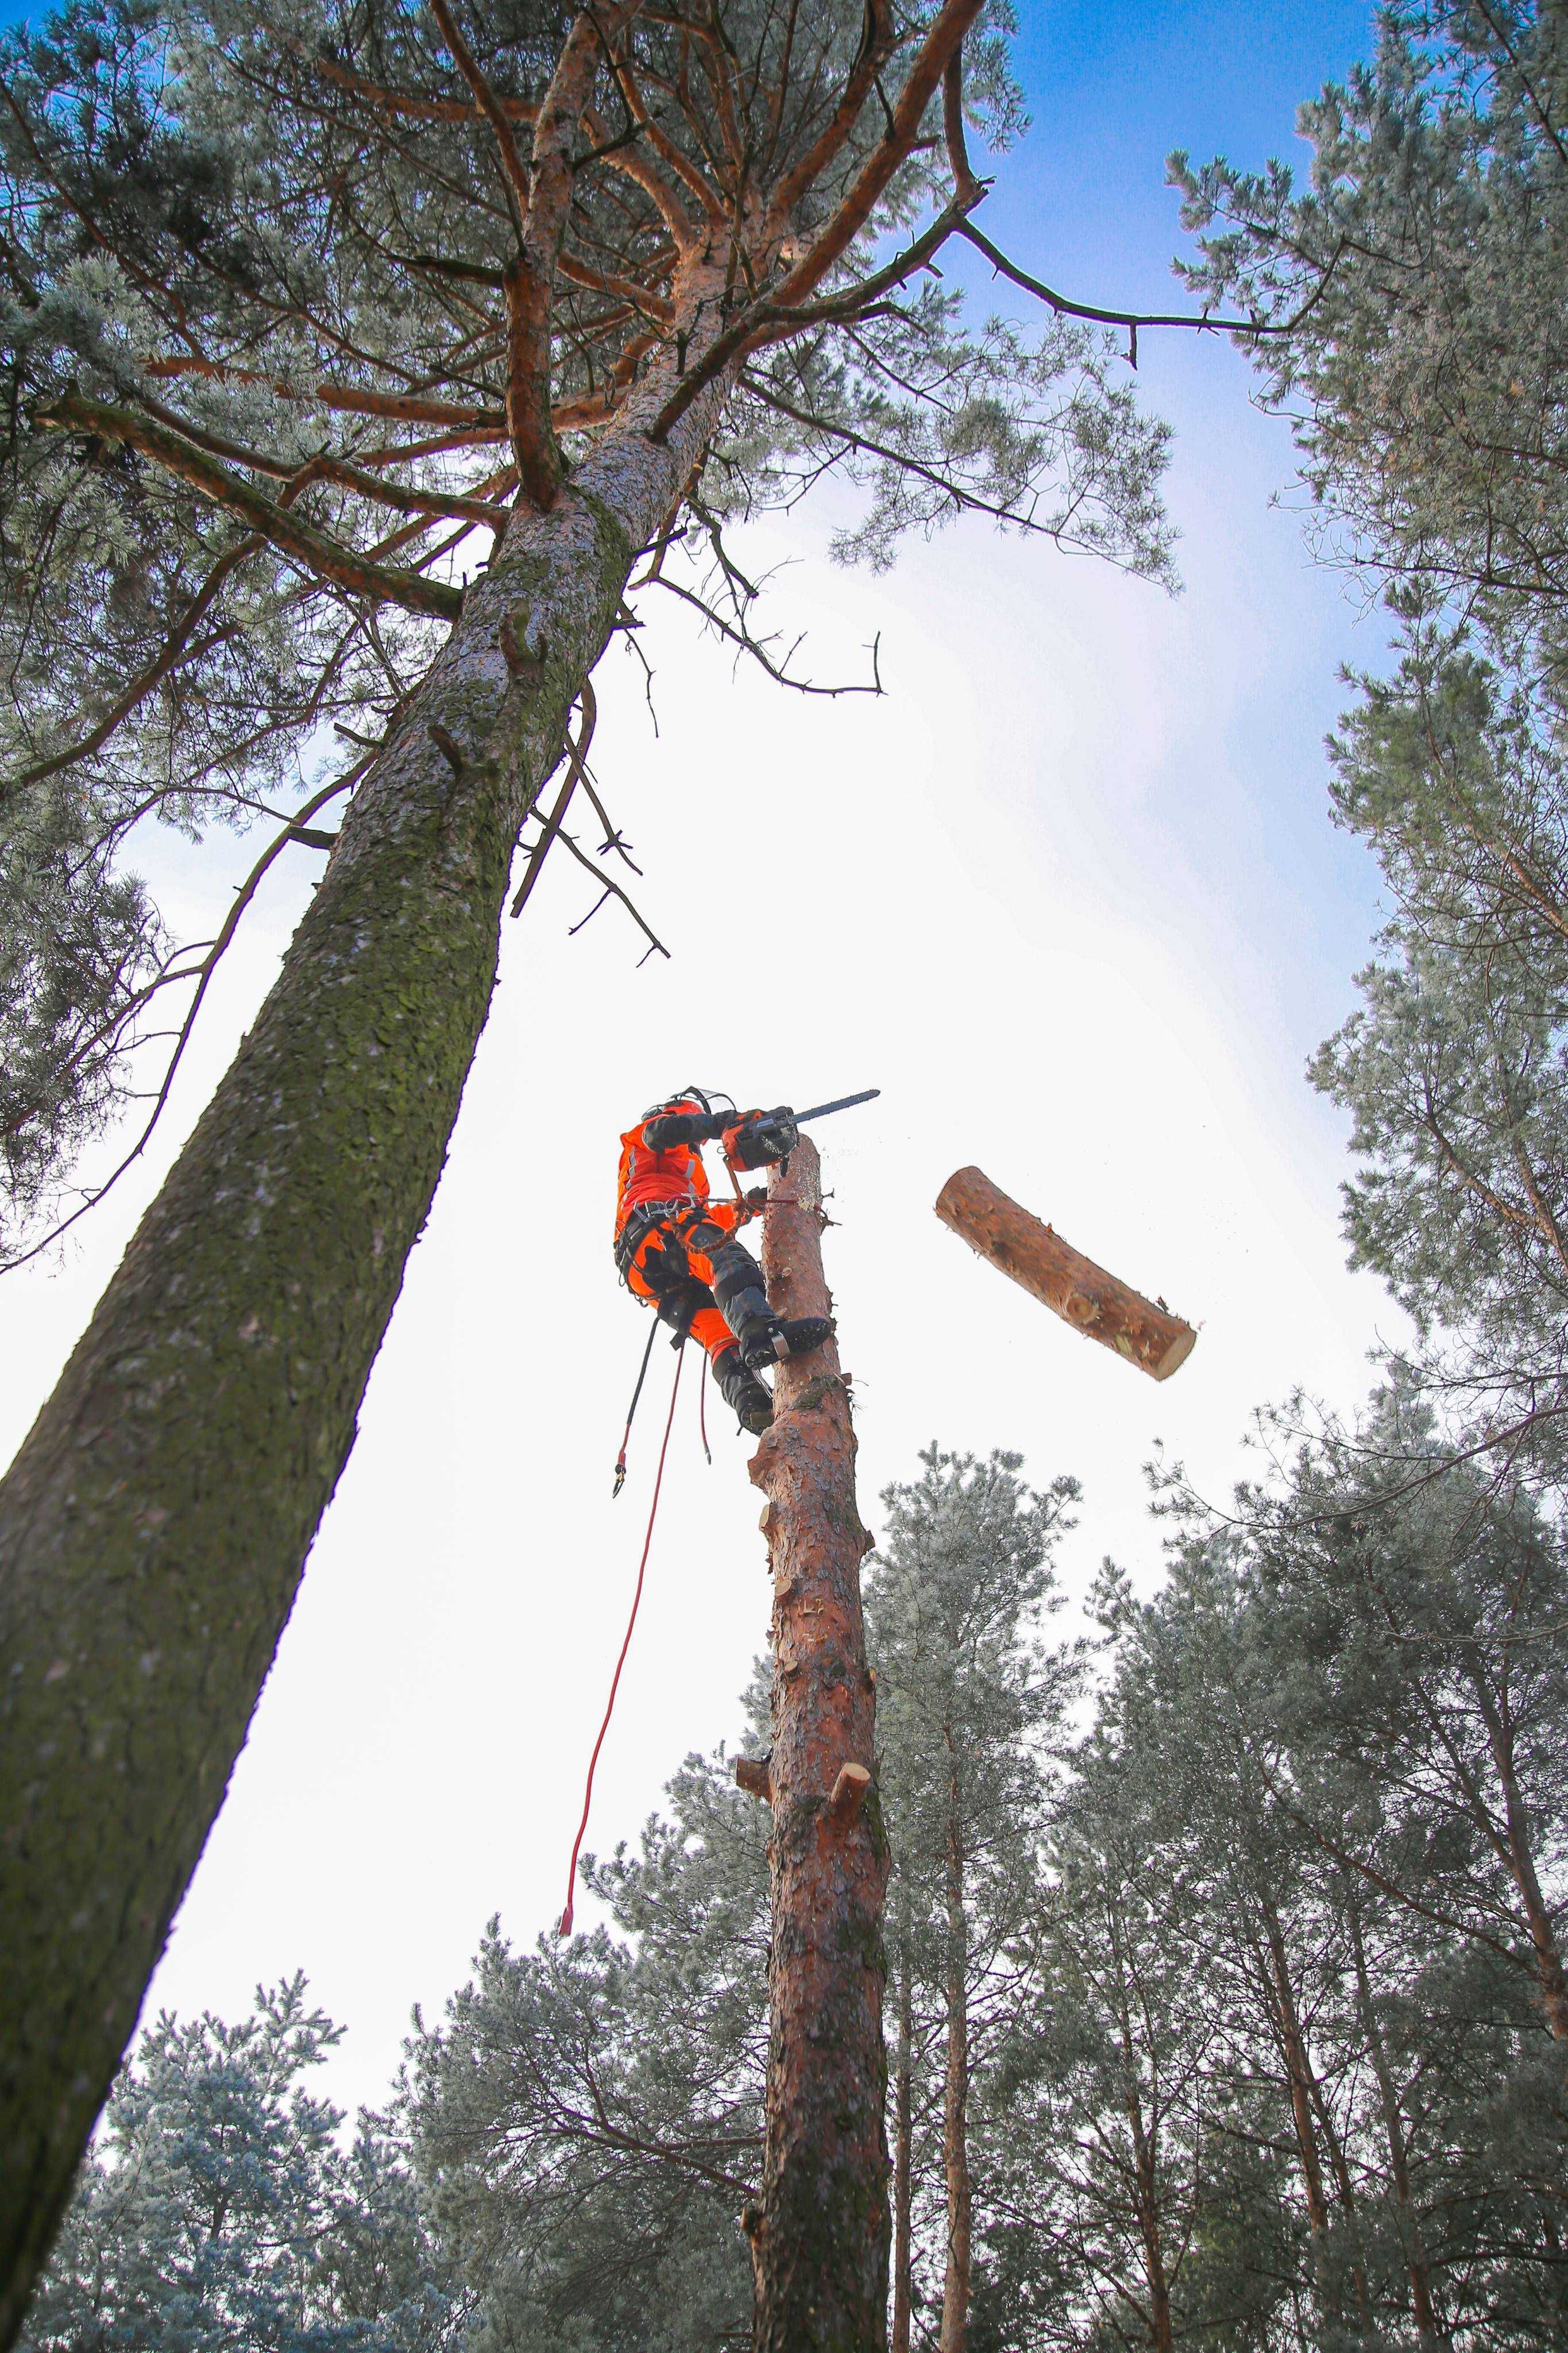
1068,895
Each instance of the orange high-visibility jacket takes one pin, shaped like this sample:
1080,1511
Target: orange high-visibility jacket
676,1175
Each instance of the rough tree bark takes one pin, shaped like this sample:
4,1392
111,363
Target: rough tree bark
819,2235
154,1524
955,2100
1061,1278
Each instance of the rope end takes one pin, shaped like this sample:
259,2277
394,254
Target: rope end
620,1474
564,1929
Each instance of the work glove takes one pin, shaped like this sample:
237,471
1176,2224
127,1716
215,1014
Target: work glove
762,1138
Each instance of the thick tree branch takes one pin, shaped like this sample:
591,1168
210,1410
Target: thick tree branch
664,147
775,320
624,158
876,45
531,275
954,21
490,105
416,104
323,557
965,183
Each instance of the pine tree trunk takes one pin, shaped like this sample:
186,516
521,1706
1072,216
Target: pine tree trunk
1162,2337
1295,2070
1145,2183
155,1523
1306,2102
903,2136
1416,2267
1550,1974
1339,2164
819,2238
955,2104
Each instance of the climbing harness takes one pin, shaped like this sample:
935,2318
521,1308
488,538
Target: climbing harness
566,1927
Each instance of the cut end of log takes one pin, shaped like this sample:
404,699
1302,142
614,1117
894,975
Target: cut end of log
848,1793
1176,1355
1034,1255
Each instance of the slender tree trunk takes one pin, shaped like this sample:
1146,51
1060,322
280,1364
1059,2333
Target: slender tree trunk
155,1523
1411,2241
1296,2072
1339,2164
1308,2113
955,2104
819,2238
903,2133
1162,2337
1550,1973
1145,2158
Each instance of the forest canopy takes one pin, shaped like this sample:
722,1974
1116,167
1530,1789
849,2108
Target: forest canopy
1226,2001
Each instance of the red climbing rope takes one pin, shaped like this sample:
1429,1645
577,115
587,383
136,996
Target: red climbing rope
566,1927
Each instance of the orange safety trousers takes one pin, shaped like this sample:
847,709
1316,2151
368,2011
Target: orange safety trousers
709,1328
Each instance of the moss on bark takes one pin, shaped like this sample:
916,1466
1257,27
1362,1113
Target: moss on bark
154,1526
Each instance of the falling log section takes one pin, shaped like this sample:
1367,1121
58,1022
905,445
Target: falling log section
819,2234
1082,1294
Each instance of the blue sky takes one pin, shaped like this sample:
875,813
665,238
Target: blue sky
1069,894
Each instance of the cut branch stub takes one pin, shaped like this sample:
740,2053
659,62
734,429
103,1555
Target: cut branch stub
848,1794
1080,1292
820,2240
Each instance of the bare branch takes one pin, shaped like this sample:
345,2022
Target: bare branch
576,755
742,637
1133,319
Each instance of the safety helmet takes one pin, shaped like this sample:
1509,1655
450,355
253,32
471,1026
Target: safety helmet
711,1098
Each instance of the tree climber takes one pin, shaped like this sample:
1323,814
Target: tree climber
676,1249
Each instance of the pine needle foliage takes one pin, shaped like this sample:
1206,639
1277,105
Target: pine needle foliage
220,2213
298,310
1422,271
589,2116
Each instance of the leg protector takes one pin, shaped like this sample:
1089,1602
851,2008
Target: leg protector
743,1302
743,1392
679,1303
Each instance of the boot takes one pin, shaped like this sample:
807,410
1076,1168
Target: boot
765,1338
746,1396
